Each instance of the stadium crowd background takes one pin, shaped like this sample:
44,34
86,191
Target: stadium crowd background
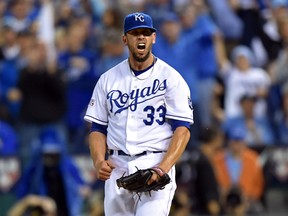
232,53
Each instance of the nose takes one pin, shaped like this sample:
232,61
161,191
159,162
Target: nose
140,35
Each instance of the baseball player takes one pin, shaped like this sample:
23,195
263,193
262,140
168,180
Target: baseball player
141,112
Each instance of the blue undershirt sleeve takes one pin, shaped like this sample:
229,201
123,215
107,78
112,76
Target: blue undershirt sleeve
99,128
177,123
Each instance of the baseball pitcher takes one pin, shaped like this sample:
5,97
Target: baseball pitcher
141,113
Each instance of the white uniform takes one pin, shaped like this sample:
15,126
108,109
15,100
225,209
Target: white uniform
135,110
238,84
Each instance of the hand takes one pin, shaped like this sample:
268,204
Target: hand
14,95
156,175
104,169
153,178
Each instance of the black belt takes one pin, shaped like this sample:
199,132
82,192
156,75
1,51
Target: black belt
120,152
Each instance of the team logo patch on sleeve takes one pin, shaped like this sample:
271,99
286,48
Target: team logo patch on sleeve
92,102
190,103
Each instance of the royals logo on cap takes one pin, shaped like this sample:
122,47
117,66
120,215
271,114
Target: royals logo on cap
138,20
139,17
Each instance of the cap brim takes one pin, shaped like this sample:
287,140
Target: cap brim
138,27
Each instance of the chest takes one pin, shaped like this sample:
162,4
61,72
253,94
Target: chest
133,95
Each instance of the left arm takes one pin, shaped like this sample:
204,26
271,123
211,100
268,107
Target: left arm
175,150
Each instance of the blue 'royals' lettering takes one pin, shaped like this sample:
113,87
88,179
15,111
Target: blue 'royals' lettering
119,100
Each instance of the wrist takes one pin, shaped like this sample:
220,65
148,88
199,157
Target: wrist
159,170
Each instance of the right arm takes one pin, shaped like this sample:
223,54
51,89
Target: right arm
97,146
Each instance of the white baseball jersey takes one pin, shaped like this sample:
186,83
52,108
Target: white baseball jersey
136,108
239,83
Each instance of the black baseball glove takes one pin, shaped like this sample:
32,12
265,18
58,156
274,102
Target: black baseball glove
137,182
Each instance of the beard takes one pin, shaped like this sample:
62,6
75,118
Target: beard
141,59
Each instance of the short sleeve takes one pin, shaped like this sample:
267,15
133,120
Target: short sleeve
178,100
97,110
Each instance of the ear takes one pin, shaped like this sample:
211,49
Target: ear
154,38
124,39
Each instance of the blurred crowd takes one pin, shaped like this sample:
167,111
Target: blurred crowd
232,53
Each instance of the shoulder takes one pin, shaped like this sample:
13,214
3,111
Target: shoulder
219,157
258,71
165,69
250,155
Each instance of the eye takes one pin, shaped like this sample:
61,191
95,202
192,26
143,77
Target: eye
145,32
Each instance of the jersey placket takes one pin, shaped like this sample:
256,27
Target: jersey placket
132,125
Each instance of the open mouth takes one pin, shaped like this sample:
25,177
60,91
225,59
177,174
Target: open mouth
141,46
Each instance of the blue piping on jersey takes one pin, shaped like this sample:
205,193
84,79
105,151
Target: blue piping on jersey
181,117
138,72
97,119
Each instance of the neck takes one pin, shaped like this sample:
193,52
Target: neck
137,65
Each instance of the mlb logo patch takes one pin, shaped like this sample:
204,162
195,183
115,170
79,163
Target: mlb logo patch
190,103
92,102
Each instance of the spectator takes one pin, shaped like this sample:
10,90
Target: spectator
227,22
269,31
9,70
51,172
242,78
63,14
259,131
158,10
199,28
42,103
278,11
260,27
3,9
22,15
111,19
206,196
26,40
239,175
113,51
278,72
249,13
46,29
77,64
282,118
9,165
